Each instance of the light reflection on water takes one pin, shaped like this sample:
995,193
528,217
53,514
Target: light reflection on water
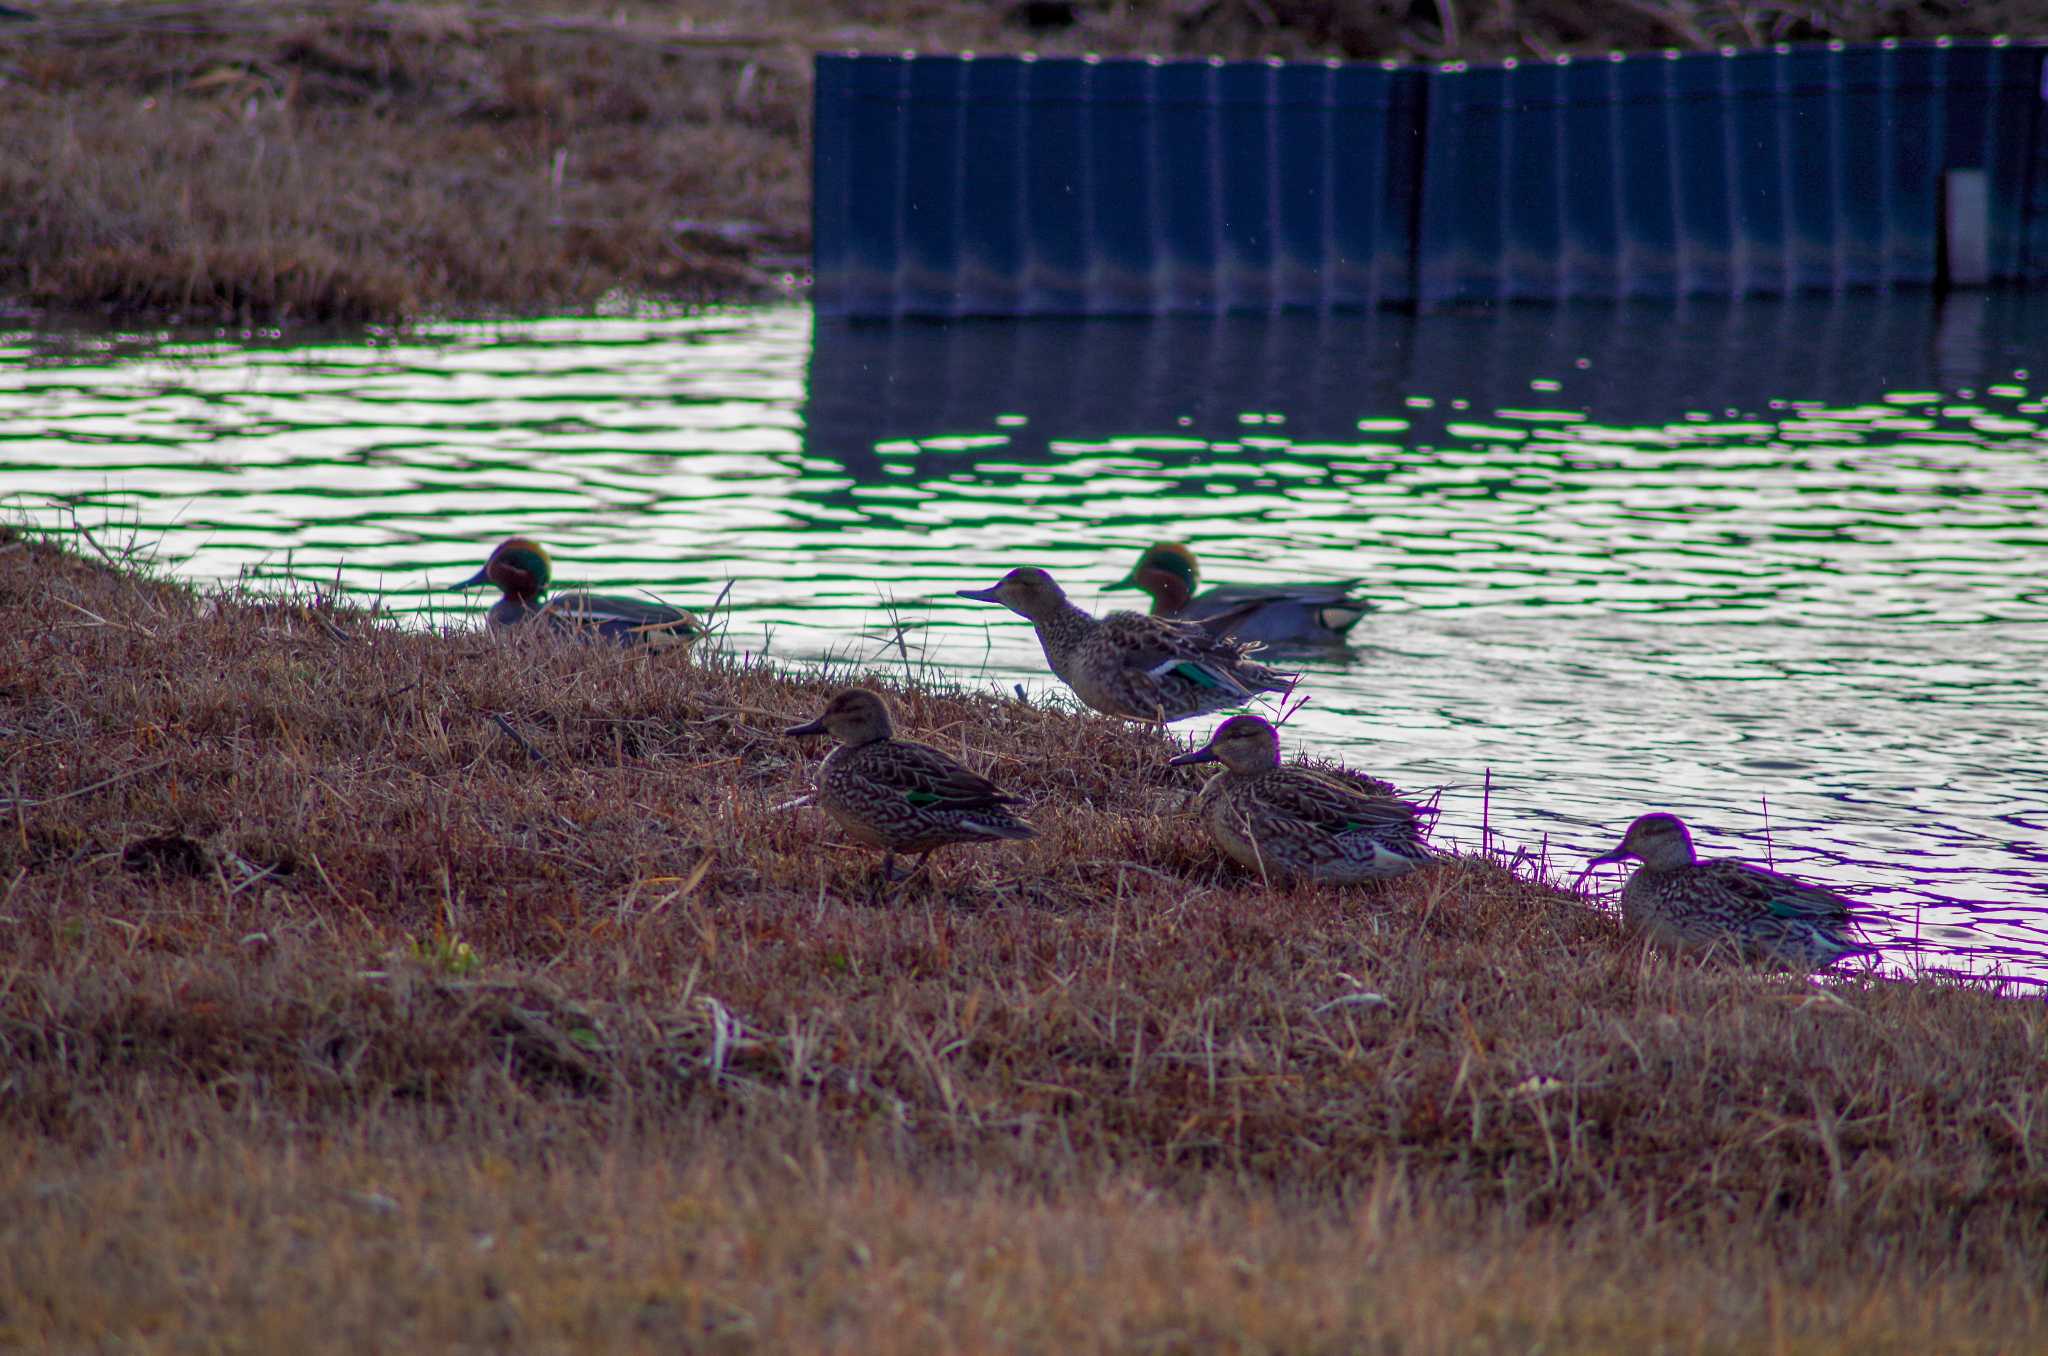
1776,566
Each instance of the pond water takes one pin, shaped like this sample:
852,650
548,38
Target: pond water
1774,565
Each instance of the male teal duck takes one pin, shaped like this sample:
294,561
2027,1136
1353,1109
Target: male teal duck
1128,664
521,570
898,795
1678,901
1300,823
1271,614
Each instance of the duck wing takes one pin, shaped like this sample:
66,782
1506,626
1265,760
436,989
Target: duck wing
1225,597
1332,804
629,621
927,778
1279,613
1157,647
1766,894
1373,788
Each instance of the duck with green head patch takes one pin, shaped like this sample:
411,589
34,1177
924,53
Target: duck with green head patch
1271,614
1301,823
898,795
1681,902
521,569
1128,664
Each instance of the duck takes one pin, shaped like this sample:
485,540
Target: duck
1130,665
521,569
899,795
1271,614
1681,902
1301,823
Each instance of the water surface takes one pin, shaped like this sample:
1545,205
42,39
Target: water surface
1774,565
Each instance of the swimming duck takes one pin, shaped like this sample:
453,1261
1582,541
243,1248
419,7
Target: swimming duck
1297,822
1274,614
898,795
1679,901
521,569
1128,664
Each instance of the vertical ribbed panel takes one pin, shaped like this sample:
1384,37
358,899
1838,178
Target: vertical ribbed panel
1124,257
831,168
2002,133
1019,186
1245,150
992,173
1744,173
1076,186
1185,158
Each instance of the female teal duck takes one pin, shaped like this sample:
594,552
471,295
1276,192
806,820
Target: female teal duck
521,570
1128,664
1298,822
1271,614
897,795
1679,901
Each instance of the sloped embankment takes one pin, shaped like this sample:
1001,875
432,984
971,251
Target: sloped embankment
329,948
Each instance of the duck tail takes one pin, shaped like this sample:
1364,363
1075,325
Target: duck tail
1003,828
1340,618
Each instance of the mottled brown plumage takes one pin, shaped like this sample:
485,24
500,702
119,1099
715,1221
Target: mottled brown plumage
1298,822
898,795
1128,664
1678,901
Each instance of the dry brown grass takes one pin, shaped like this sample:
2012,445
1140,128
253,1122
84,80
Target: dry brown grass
317,160
356,161
331,1014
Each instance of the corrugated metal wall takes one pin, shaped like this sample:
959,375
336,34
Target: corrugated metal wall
1724,175
1015,186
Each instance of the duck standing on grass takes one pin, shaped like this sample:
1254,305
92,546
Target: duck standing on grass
1128,664
1271,614
521,570
898,795
1297,822
1678,901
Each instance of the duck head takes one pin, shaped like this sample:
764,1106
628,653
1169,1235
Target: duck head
519,567
1168,572
855,716
1241,744
1658,840
1026,591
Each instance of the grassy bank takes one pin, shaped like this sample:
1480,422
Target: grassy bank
346,160
361,985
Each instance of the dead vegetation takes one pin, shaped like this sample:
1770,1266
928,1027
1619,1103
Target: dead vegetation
356,160
329,1009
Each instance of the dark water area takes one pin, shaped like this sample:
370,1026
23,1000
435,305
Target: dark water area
1773,565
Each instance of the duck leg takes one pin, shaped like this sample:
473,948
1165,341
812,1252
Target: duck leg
879,887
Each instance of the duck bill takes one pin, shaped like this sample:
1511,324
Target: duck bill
1205,754
482,576
816,727
987,595
1618,855
1129,581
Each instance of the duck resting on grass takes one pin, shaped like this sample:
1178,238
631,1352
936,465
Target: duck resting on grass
1128,664
898,795
1271,614
521,570
1725,905
1300,823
